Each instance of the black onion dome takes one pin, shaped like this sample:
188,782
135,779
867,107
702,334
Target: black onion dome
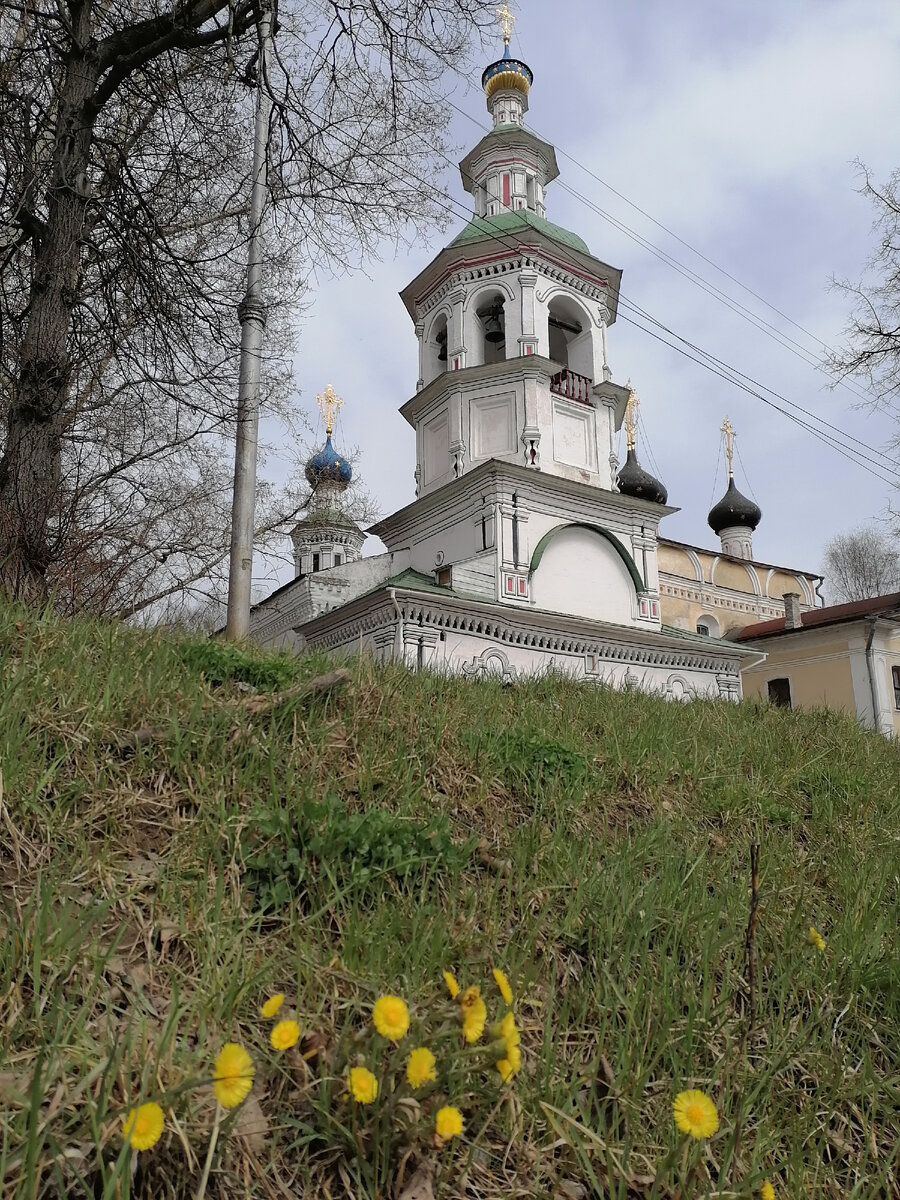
732,510
635,481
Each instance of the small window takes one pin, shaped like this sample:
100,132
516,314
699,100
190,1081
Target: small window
444,577
316,561
704,629
895,675
337,559
780,692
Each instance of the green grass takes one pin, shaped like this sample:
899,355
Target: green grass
593,844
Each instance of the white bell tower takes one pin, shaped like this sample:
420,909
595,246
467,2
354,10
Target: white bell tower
511,318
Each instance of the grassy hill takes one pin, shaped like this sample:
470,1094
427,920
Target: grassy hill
186,829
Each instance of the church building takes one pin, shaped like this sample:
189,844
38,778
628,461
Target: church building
528,546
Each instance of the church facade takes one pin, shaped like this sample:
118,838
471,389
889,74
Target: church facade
527,547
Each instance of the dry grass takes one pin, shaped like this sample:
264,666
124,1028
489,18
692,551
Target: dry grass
594,844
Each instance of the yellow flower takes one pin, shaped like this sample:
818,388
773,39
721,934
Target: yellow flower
420,1068
391,1017
363,1085
509,1032
452,985
142,1127
284,1035
272,1005
815,938
232,1075
448,1123
503,984
474,1012
695,1114
767,1192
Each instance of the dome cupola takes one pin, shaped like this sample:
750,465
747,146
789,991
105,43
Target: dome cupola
734,509
326,465
633,480
735,517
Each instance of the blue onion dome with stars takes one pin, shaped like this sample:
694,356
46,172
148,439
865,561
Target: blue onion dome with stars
734,509
507,72
327,465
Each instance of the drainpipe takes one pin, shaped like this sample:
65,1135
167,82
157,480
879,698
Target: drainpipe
398,636
873,687
821,579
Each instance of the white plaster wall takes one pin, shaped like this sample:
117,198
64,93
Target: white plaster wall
582,575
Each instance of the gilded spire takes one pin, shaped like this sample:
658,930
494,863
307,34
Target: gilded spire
507,21
730,435
330,404
631,412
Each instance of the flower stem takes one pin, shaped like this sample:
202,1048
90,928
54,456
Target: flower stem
214,1137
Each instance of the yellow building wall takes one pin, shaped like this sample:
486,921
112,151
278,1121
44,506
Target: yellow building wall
893,660
675,561
820,674
732,575
780,583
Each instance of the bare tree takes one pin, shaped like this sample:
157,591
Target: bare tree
124,160
873,349
861,564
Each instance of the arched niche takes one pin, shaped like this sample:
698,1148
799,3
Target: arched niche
489,327
436,347
584,570
570,335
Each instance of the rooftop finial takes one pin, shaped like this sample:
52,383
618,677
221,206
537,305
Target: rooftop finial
507,21
730,435
631,411
330,404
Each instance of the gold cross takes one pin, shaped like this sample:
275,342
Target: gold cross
507,20
631,411
730,435
330,403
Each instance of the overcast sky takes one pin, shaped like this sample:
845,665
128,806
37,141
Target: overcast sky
735,126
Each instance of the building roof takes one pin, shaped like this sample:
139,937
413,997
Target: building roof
516,222
834,614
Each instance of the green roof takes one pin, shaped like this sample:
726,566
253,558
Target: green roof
517,222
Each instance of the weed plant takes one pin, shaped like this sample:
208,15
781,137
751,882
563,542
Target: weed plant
156,889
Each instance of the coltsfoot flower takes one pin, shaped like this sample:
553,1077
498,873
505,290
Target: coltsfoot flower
503,984
363,1085
767,1192
142,1127
815,938
284,1035
391,1017
474,1012
232,1075
695,1114
421,1068
272,1005
452,985
448,1123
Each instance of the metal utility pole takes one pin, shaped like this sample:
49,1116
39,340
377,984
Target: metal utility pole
252,316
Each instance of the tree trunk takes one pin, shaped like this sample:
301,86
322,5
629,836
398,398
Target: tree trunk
39,400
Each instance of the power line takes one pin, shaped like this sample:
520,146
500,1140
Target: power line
705,285
707,360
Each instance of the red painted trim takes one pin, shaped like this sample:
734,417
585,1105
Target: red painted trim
506,191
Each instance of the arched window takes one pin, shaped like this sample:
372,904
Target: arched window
570,337
492,322
436,348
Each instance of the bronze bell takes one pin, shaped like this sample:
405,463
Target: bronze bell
493,326
442,346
